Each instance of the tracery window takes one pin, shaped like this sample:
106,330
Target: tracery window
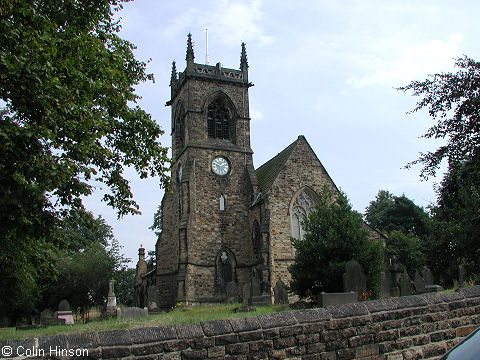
218,120
301,207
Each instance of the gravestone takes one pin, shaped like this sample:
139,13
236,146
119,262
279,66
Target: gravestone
131,313
46,314
256,286
111,300
419,283
247,293
64,305
64,312
462,275
152,298
326,299
280,293
354,278
232,292
386,282
427,276
405,285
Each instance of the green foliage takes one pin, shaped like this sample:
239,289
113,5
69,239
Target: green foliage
67,120
388,213
456,239
84,272
452,100
407,248
335,234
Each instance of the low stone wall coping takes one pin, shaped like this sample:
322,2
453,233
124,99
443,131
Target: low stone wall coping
283,328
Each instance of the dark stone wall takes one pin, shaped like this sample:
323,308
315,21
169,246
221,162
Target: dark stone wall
414,327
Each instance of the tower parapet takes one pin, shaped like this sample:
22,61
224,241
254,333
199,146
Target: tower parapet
203,71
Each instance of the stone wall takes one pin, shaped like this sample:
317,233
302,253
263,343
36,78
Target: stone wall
414,327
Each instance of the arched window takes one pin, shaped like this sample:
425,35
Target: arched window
179,126
301,205
219,118
224,268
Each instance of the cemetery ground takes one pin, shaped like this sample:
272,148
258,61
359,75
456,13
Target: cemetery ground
177,315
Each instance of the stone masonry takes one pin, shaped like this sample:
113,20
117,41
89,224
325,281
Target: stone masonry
414,327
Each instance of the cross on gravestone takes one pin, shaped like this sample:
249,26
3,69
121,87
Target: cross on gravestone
232,292
354,278
280,293
419,283
405,285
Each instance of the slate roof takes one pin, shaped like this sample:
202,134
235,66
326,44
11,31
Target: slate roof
267,173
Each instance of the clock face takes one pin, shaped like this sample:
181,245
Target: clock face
220,166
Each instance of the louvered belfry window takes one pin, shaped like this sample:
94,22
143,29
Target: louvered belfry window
218,120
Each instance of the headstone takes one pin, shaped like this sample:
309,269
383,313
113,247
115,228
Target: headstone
462,275
247,293
386,282
354,278
64,312
64,305
152,298
111,300
232,292
280,293
427,276
419,283
405,285
256,286
131,313
46,314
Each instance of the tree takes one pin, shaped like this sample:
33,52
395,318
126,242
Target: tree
84,273
456,239
407,248
67,89
453,102
388,213
335,234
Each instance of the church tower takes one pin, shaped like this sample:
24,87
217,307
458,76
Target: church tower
206,237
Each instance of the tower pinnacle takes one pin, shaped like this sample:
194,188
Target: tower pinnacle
190,56
173,77
243,58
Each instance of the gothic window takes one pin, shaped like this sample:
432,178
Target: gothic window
224,268
218,120
302,204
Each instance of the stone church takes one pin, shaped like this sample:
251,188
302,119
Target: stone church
224,220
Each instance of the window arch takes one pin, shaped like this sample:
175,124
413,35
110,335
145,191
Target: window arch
302,203
225,266
220,119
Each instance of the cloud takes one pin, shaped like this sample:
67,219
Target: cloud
230,21
415,62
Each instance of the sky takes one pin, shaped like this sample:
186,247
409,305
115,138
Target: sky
324,69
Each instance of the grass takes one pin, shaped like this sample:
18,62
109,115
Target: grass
176,316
